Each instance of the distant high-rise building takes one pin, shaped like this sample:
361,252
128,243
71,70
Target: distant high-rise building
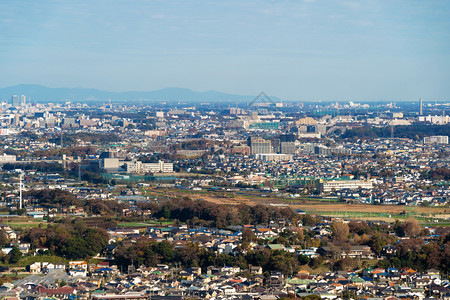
259,145
287,138
68,122
15,101
109,154
287,143
317,128
287,147
324,150
16,121
23,100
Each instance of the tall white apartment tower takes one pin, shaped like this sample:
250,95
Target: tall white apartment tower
23,100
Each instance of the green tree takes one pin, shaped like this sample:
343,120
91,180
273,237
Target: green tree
165,249
376,243
303,259
14,255
21,211
349,295
166,213
284,262
398,229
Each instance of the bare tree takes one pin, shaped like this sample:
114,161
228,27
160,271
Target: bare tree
412,227
340,231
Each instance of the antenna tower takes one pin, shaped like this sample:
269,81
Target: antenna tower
421,105
20,191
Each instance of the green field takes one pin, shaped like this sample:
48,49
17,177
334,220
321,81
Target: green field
21,225
425,220
133,224
28,260
144,224
436,224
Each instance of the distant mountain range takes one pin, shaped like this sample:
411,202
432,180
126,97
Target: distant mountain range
39,93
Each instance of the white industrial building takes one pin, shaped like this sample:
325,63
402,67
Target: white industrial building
274,157
335,185
436,139
135,166
7,158
139,167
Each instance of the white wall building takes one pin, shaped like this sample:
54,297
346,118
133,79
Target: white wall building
436,139
139,167
434,119
7,158
335,185
274,157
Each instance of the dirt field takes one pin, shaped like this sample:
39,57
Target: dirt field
393,209
324,206
356,211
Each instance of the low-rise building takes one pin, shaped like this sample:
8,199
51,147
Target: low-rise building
334,185
142,168
436,139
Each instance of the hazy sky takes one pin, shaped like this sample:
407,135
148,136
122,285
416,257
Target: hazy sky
297,50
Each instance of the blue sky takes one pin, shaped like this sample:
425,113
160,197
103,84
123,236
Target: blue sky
297,50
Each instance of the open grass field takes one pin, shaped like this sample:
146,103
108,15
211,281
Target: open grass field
22,222
19,225
132,224
27,260
164,223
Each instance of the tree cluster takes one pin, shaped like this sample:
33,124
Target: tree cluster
207,213
89,137
71,238
101,207
415,254
416,131
70,151
150,253
38,166
410,228
437,174
54,198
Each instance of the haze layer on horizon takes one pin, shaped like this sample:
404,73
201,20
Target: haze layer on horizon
297,50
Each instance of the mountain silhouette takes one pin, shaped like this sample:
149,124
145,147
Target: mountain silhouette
39,93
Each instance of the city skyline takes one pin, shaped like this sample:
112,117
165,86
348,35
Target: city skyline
298,51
